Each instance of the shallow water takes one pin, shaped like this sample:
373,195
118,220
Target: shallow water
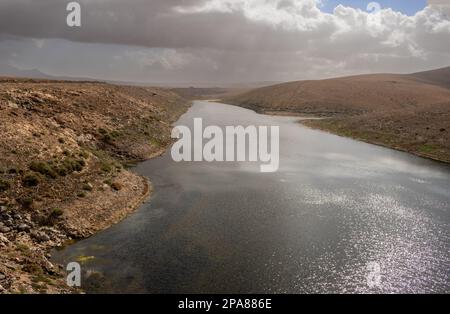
335,206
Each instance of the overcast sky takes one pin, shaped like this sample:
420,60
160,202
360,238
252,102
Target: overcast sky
224,41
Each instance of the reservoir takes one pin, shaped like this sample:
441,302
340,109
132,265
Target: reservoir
339,216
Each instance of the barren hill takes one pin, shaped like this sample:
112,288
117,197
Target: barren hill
439,77
64,147
405,112
350,95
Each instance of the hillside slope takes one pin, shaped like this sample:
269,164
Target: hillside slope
440,77
405,112
349,95
63,147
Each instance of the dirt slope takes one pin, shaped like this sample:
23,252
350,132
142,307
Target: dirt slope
440,77
349,95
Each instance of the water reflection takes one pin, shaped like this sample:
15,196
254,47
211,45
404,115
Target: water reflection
334,206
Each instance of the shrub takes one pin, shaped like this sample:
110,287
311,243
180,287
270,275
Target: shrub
107,139
43,168
26,202
105,166
81,194
83,154
53,216
102,131
115,134
30,180
4,185
12,170
62,171
61,140
56,212
72,165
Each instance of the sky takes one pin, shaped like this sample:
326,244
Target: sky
224,41
409,7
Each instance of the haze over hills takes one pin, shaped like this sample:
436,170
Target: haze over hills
188,88
8,70
350,95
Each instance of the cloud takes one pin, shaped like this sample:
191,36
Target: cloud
226,40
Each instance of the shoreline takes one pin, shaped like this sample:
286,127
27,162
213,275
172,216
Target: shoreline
138,191
66,154
309,119
376,143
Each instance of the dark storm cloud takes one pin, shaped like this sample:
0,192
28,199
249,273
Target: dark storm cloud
218,40
152,23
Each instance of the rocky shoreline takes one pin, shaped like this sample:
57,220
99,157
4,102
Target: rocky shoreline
29,245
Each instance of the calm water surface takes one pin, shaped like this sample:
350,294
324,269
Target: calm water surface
334,206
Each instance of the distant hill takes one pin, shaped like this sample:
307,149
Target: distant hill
350,95
10,71
439,77
405,112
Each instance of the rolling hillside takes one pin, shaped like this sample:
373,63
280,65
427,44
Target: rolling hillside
405,112
350,95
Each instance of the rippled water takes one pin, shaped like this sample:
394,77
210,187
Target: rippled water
335,206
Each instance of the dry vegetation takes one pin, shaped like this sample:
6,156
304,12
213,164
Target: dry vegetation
64,147
406,112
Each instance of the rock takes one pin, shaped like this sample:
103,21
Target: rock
85,138
23,227
3,239
2,277
12,105
48,266
40,236
17,216
4,229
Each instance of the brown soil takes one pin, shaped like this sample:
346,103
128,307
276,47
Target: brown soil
64,148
